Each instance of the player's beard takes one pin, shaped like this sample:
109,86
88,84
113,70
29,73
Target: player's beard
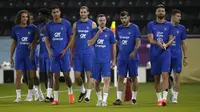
125,23
161,16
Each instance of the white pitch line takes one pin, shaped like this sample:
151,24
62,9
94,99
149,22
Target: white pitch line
2,97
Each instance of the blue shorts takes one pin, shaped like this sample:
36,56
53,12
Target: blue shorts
101,69
176,64
83,62
160,63
124,66
24,63
60,64
44,64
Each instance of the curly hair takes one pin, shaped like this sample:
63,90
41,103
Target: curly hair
18,17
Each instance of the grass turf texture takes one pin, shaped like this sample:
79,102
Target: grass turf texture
189,101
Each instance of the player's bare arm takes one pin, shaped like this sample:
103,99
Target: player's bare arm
113,49
171,39
33,45
93,40
152,41
74,38
94,25
184,48
12,50
137,46
71,39
47,43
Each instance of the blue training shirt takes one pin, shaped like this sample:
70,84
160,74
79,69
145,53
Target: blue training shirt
102,47
43,50
127,40
82,36
179,32
58,34
161,32
24,37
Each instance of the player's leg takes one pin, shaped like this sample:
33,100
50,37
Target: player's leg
177,71
97,76
18,85
106,77
122,72
165,64
65,68
87,64
49,81
55,69
37,87
25,78
156,71
133,73
78,67
30,86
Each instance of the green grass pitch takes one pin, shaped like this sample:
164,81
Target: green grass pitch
189,101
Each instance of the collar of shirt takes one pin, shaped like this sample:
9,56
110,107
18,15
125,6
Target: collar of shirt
155,22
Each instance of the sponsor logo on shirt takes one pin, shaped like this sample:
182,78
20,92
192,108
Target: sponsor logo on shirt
57,36
82,36
83,31
174,42
159,36
100,43
124,42
24,41
43,39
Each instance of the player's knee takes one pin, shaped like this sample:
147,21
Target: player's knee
106,81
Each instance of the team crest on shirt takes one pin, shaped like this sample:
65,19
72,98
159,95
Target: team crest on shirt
106,36
129,33
165,29
29,33
177,32
87,27
61,28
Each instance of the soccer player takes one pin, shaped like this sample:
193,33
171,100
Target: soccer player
37,92
44,60
23,35
83,53
58,36
160,35
128,38
25,79
103,41
178,45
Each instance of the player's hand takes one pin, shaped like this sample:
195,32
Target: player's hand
132,55
50,54
164,46
160,44
11,61
100,31
63,53
113,63
185,61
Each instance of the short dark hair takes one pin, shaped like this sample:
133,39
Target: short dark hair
175,11
84,7
18,17
31,14
44,11
54,6
101,15
124,13
160,6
